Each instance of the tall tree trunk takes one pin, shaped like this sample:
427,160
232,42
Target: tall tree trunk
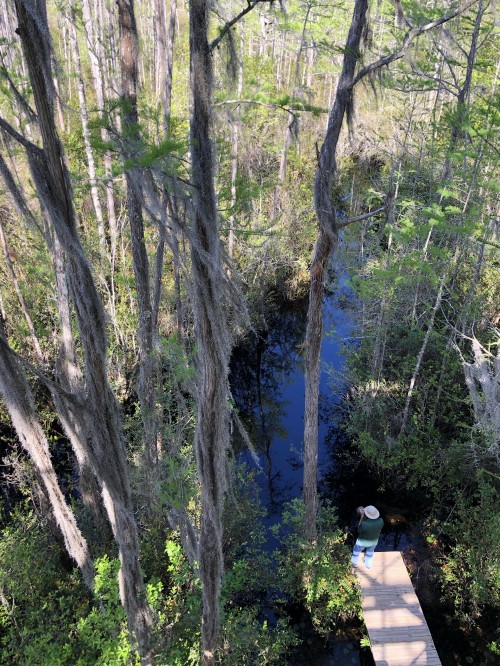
329,228
106,449
84,116
75,421
21,406
165,55
97,67
326,243
211,330
165,81
67,370
129,48
292,127
235,136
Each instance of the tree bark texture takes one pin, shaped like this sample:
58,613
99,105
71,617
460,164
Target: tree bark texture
106,450
129,49
483,381
165,57
212,337
21,406
97,66
82,97
326,243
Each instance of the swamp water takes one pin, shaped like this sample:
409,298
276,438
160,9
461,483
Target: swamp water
267,381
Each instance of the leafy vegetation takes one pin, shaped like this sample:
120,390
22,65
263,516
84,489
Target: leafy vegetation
416,188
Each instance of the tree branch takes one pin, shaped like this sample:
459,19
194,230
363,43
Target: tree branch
74,398
227,27
408,39
269,105
17,194
29,145
359,218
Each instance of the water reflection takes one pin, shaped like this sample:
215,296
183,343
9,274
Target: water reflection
264,375
267,380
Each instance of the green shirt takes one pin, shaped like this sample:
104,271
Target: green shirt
369,531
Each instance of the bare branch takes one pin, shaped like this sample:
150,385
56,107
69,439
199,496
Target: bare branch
22,101
410,36
269,105
227,27
17,195
75,399
359,218
29,145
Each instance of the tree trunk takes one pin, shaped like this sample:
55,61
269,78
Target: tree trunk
165,81
106,449
82,96
21,406
326,243
166,57
211,331
235,137
292,127
129,48
97,67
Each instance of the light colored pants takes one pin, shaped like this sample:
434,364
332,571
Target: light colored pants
357,550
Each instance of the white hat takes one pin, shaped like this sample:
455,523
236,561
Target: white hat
371,512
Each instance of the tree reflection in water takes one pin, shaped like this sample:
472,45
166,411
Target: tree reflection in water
267,380
262,369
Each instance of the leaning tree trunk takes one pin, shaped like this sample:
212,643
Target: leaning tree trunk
21,406
326,243
211,330
106,449
329,228
67,371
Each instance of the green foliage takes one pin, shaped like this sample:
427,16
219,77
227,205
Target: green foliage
40,602
178,611
318,574
250,576
102,634
247,640
470,569
47,617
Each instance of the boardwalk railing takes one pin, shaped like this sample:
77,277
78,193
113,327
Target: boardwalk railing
396,625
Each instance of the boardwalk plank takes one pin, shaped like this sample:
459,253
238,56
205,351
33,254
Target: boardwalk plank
396,625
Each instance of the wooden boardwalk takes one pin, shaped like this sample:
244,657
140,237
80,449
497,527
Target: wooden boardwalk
398,632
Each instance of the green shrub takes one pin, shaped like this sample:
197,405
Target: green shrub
317,574
39,599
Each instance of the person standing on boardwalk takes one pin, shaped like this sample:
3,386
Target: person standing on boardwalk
369,528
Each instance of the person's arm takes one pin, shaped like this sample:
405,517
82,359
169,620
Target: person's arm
361,514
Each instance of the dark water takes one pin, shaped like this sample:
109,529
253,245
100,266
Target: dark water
267,379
